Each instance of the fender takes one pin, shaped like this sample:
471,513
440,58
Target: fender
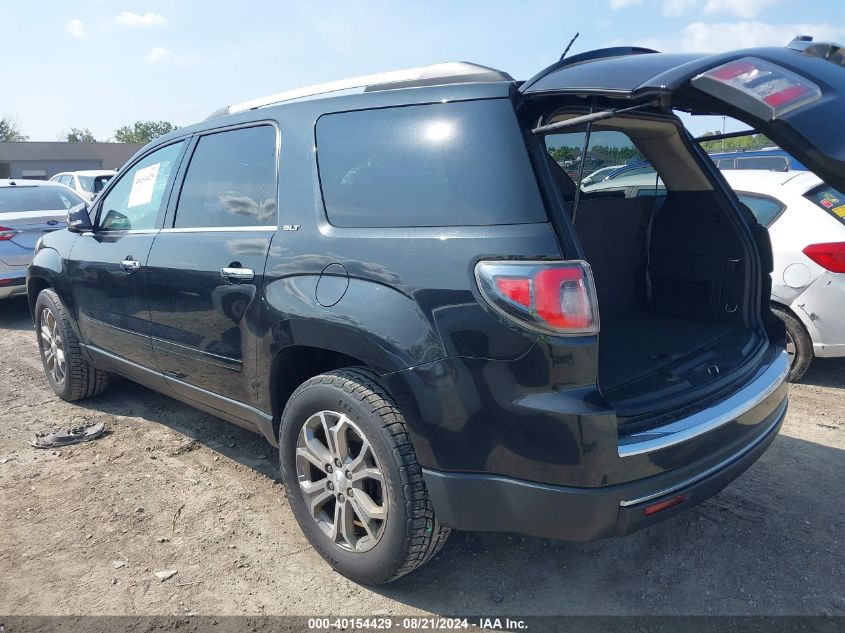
48,269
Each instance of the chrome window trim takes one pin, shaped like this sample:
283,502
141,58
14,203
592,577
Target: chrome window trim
712,418
220,229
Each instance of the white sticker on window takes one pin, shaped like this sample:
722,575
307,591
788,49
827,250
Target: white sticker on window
143,185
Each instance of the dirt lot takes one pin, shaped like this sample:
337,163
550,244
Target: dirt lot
84,528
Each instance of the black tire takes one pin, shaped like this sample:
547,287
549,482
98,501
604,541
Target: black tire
798,339
411,534
80,379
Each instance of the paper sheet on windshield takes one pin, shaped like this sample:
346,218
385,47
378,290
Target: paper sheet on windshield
143,185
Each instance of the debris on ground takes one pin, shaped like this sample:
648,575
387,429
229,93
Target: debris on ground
165,574
65,437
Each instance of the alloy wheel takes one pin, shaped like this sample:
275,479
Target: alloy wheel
341,481
52,346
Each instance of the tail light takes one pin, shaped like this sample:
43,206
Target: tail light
7,234
830,256
761,88
557,298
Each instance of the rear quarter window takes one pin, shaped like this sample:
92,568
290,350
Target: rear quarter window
766,210
829,199
454,164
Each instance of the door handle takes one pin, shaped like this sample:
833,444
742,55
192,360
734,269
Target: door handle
237,274
130,265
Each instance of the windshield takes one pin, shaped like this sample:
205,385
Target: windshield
47,198
94,184
829,199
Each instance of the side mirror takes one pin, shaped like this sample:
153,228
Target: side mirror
78,219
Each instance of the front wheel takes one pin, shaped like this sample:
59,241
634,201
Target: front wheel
353,481
69,373
799,345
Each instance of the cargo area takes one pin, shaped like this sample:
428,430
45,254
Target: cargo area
672,273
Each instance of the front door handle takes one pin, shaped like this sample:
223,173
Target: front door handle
237,274
130,265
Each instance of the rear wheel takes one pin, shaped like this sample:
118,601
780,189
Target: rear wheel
799,345
69,373
353,481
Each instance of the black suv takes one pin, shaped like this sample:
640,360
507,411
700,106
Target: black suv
394,280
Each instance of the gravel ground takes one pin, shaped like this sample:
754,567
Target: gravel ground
85,528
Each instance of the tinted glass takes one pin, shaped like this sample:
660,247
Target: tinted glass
135,200
608,148
231,180
772,163
764,209
829,199
434,165
728,163
48,198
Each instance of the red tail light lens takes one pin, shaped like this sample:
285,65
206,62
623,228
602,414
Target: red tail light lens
7,234
556,298
830,256
759,87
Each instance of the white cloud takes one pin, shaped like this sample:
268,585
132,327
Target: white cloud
621,4
159,54
136,20
76,28
676,8
740,8
703,37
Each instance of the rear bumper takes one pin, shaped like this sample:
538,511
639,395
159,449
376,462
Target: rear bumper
492,503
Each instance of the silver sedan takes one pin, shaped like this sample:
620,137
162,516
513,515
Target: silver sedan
28,209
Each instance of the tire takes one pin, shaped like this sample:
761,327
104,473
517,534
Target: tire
798,342
57,340
349,404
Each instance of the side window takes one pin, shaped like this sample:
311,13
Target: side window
727,163
766,210
135,200
453,164
230,181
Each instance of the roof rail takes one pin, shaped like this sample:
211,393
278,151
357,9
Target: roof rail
432,75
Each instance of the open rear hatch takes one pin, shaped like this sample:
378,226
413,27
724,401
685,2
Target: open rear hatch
681,279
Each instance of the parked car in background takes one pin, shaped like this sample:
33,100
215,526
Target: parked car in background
618,171
771,159
28,210
393,280
806,222
87,183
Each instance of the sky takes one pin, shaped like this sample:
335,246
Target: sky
101,64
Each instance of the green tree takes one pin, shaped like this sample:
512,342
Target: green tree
77,135
10,132
143,131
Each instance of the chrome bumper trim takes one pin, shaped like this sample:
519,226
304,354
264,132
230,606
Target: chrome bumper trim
781,411
711,418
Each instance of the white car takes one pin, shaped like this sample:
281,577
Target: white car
806,222
87,183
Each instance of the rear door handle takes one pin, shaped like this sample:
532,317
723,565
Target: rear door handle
130,265
237,274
